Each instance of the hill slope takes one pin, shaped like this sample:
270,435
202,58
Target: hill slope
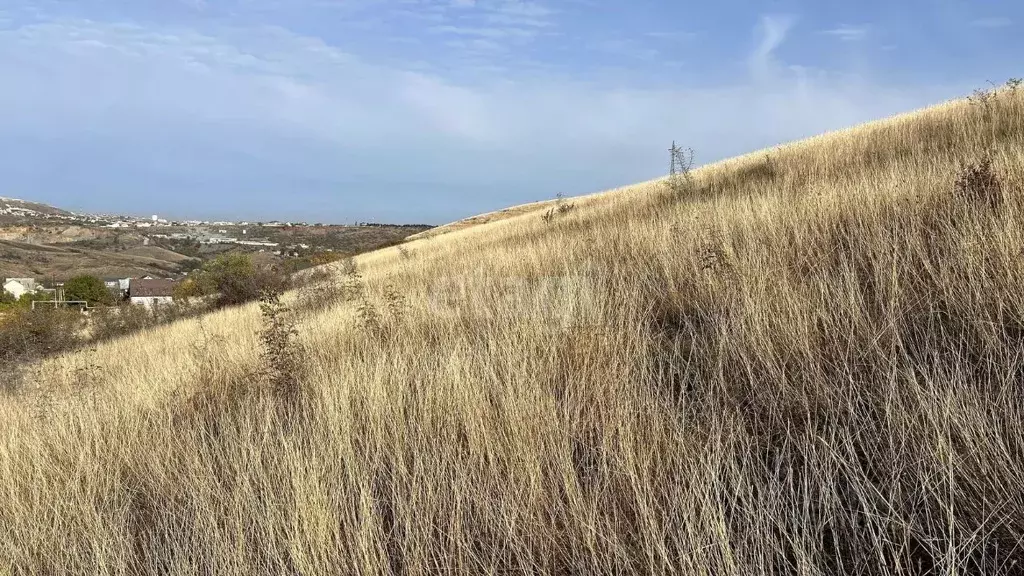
16,207
811,362
19,259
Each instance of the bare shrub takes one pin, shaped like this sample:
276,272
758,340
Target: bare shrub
319,291
978,185
349,267
28,335
234,289
40,332
280,362
234,279
324,287
369,318
126,319
561,208
395,302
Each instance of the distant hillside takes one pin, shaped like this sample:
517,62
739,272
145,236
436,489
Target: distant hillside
44,241
521,209
20,259
16,207
503,214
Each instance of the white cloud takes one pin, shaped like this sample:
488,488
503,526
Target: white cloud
199,5
671,35
485,32
773,29
847,33
481,31
992,22
298,107
627,48
520,13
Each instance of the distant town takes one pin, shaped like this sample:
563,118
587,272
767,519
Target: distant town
243,233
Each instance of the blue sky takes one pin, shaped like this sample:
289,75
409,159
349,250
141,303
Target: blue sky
432,110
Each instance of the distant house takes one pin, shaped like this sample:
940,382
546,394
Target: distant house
151,291
18,286
117,286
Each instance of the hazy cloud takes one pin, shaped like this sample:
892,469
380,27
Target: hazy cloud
992,22
290,122
847,33
772,30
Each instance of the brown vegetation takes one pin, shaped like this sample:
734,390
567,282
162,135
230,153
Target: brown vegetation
810,364
19,259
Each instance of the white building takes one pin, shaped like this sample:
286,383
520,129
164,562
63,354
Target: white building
118,286
18,286
150,292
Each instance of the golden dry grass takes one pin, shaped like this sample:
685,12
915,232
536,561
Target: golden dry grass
812,364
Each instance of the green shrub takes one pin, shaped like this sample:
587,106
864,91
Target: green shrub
89,289
234,279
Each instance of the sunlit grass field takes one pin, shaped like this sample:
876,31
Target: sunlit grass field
809,361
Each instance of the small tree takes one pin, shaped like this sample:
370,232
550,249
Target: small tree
26,299
188,288
7,300
189,265
235,279
89,289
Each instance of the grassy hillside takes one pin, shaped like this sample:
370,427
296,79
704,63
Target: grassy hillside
812,362
16,207
18,259
33,246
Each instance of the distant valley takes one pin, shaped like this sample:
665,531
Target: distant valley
42,241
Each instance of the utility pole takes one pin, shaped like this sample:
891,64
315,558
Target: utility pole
672,152
680,164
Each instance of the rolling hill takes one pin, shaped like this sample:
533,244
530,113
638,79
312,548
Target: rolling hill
42,241
16,207
809,361
20,259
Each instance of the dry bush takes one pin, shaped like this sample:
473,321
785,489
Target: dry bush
324,287
281,364
28,335
561,208
810,369
126,319
978,185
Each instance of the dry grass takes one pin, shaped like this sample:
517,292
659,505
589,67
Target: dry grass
499,215
479,219
813,365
